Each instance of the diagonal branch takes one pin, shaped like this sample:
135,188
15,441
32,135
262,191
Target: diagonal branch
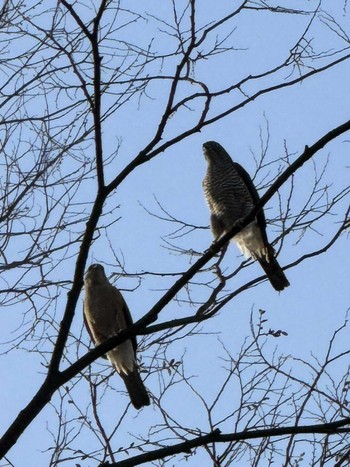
216,437
55,378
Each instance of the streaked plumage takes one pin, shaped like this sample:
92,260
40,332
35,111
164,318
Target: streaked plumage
105,314
231,195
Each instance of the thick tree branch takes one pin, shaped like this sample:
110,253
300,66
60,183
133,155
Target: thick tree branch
152,315
46,391
332,428
56,379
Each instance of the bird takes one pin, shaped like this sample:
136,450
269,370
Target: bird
231,195
105,315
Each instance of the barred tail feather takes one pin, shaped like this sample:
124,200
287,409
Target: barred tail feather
274,272
136,389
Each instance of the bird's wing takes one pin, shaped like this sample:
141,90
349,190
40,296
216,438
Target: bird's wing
87,325
110,314
256,198
125,318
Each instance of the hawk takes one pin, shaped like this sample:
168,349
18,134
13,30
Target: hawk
231,195
105,315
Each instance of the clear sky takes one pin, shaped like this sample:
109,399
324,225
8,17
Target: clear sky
278,124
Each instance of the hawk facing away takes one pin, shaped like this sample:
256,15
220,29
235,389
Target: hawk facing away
105,315
231,195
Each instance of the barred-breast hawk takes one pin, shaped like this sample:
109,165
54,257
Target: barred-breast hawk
231,195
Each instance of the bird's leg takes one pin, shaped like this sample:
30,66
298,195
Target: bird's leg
221,257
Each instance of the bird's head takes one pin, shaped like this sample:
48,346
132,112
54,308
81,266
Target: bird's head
95,275
214,152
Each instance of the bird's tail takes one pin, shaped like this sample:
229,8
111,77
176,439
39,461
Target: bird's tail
273,270
136,389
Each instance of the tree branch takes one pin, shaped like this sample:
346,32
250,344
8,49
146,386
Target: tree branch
215,436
